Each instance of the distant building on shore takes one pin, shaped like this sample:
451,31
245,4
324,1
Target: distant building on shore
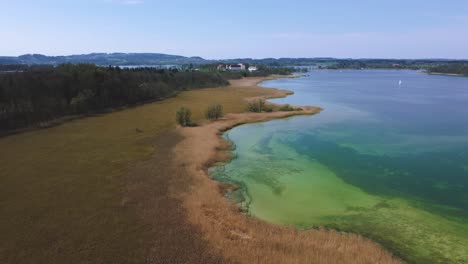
231,67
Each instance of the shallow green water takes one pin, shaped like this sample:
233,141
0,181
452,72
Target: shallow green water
383,160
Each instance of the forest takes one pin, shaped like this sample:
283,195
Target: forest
32,96
451,68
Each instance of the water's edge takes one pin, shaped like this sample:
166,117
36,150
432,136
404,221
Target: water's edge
246,203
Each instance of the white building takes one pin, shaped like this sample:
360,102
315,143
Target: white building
231,67
236,67
252,69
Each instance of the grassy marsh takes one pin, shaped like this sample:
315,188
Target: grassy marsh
62,189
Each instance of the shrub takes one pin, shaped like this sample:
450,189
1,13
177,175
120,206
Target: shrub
214,112
287,108
184,117
268,108
256,106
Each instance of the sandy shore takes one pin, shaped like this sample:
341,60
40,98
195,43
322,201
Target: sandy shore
242,239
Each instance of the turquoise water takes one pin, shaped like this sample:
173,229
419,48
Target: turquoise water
384,160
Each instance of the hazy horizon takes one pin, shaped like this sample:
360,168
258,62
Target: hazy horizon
189,56
242,29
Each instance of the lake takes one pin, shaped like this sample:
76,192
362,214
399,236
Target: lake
385,159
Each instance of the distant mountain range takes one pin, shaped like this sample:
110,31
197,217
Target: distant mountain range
166,59
143,59
105,59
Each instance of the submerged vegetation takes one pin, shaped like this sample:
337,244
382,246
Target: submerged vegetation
41,94
291,180
401,182
98,151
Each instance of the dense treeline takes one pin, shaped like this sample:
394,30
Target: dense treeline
379,64
264,70
40,94
174,60
14,67
103,59
452,68
335,63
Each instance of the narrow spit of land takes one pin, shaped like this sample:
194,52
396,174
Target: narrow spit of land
126,187
240,238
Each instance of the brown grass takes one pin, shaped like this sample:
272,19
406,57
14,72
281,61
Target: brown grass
246,240
68,194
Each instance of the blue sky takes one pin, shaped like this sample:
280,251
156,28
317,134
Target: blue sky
238,28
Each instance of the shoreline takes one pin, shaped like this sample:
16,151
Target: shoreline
446,74
245,239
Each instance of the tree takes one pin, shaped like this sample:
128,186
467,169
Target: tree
40,94
184,117
257,105
214,112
